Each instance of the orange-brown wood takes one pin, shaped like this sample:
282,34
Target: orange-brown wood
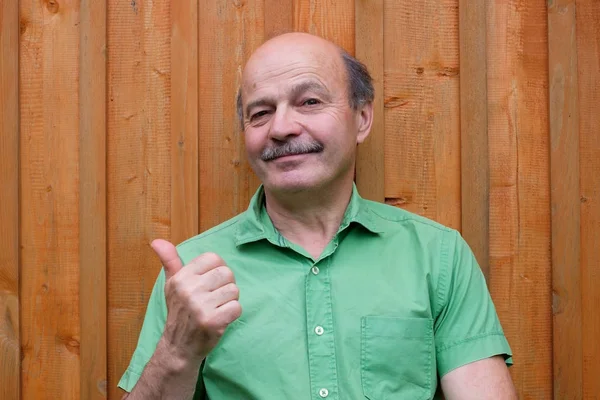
278,17
138,167
49,209
370,160
588,52
520,260
118,125
229,33
565,196
422,132
332,20
184,120
9,200
474,165
92,197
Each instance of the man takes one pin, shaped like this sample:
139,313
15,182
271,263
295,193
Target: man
342,298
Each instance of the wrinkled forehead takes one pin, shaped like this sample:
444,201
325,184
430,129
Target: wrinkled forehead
278,67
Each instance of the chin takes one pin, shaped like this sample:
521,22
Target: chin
292,184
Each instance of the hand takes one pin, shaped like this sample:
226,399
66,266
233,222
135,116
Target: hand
202,300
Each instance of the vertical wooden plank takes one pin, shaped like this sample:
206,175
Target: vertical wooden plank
138,166
229,32
588,39
422,127
49,87
520,265
474,165
184,120
9,199
279,17
369,40
565,200
332,20
92,189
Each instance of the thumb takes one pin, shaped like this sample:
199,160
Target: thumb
167,253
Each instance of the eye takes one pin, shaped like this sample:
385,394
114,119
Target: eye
258,115
311,102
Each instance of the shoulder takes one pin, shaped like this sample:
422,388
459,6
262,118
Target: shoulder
218,239
392,218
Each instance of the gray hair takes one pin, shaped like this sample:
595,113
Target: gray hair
360,86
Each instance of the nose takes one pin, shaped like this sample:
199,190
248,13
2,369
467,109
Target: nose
284,124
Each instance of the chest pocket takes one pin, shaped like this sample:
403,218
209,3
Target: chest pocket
397,358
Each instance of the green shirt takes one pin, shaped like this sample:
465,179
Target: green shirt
394,302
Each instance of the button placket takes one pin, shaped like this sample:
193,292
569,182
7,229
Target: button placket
319,319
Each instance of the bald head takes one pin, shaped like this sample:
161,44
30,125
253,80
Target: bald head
304,51
296,42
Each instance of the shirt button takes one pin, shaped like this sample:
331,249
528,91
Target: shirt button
323,392
315,270
319,330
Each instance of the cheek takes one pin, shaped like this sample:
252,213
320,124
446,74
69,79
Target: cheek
336,130
253,140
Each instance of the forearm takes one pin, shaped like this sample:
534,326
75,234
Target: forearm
487,379
166,376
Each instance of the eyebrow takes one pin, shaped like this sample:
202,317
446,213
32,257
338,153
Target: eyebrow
295,91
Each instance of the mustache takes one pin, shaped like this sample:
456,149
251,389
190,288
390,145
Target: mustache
290,148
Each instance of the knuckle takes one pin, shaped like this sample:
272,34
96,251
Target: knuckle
203,319
212,258
236,309
225,273
234,290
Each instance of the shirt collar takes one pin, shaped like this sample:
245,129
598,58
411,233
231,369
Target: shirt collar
256,225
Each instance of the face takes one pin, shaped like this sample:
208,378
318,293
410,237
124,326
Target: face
300,131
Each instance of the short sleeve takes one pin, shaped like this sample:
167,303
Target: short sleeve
152,330
467,328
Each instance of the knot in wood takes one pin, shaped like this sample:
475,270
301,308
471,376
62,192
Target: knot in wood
52,6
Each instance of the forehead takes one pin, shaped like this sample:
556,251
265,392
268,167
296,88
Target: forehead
282,67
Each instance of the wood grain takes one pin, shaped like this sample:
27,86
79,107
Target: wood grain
184,120
139,167
10,367
565,197
369,40
588,51
49,212
332,20
229,33
520,260
92,196
474,158
278,17
422,129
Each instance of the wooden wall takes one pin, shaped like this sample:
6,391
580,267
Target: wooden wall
118,126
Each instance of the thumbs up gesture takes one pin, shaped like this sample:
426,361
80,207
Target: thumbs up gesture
202,300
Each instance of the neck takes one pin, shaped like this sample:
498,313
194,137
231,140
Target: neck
310,218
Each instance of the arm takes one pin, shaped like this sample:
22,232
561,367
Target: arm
167,376
472,350
201,300
486,379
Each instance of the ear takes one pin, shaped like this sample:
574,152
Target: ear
364,122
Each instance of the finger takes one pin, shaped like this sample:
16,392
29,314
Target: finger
216,278
228,312
222,295
167,253
204,263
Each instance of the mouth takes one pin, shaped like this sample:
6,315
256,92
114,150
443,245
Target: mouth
291,156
